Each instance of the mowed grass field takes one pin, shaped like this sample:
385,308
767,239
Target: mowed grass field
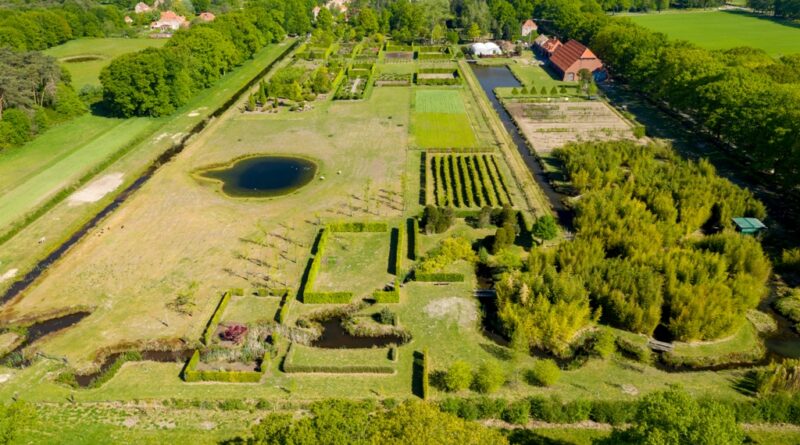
723,30
440,120
355,262
103,50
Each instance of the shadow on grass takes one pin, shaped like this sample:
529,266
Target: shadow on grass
775,20
528,437
497,351
416,375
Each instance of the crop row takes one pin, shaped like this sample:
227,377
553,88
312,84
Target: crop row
466,181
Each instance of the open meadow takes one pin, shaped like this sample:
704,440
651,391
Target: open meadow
725,30
84,58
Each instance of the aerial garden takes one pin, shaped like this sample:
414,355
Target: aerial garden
393,254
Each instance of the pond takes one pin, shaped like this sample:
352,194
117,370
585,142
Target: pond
263,176
336,337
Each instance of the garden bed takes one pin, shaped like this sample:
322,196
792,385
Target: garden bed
465,181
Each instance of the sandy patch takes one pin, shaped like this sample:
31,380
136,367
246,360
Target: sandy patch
629,389
458,309
5,377
11,273
208,426
166,424
130,422
96,189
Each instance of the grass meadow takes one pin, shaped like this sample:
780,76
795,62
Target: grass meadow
724,30
98,53
355,262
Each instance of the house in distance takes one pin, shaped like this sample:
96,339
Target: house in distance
528,28
572,57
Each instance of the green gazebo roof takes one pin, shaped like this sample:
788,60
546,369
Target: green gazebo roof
749,224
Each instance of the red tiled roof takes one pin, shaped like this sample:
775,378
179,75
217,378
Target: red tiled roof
551,45
569,53
530,24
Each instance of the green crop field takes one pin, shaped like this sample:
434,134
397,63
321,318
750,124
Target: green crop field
84,58
723,30
442,130
439,101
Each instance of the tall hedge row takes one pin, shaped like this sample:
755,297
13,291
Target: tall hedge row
191,374
426,386
215,317
290,368
358,227
440,277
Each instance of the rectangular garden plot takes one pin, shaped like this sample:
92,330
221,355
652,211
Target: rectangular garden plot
465,181
440,120
356,81
438,76
552,125
434,53
355,262
307,359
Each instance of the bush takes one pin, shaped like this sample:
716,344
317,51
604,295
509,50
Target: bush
612,411
458,376
545,372
545,228
517,412
358,227
233,405
640,353
439,277
790,260
639,131
489,377
386,316
604,345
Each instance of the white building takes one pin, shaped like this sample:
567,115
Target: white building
481,49
170,21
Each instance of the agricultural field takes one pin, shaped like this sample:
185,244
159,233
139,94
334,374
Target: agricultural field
549,125
440,120
466,181
725,29
84,58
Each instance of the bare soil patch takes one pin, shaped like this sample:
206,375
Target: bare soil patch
548,125
458,309
95,190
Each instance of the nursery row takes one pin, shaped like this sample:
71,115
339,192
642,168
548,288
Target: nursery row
466,181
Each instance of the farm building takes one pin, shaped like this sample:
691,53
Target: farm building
546,46
482,49
529,27
749,226
169,21
141,8
572,57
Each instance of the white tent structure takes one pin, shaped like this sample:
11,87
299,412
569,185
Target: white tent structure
485,49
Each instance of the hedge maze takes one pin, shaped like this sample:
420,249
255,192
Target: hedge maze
465,181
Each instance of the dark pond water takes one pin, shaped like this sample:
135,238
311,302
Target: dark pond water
264,176
491,77
85,380
335,337
42,328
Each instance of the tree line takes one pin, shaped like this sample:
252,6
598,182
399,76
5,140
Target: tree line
789,9
156,81
39,29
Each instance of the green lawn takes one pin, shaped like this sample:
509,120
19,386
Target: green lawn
355,262
745,339
251,309
439,101
723,30
310,356
442,130
105,49
534,75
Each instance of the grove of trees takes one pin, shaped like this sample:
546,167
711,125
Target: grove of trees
653,245
154,82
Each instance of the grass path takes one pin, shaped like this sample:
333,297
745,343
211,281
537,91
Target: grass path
723,30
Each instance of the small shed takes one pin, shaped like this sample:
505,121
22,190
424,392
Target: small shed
481,49
749,226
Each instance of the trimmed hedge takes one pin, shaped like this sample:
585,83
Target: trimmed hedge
455,80
639,352
111,371
415,239
497,179
283,313
214,321
383,296
398,253
327,297
440,277
191,374
358,227
426,386
677,361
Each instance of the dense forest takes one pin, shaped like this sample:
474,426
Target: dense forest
640,257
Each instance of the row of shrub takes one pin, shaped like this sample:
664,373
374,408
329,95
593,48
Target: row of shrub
397,48
69,378
283,312
327,297
191,374
745,357
455,80
439,277
275,292
291,368
387,296
779,408
398,254
468,181
358,227
317,52
434,53
215,317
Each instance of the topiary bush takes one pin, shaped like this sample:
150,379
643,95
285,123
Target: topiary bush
458,377
545,372
489,377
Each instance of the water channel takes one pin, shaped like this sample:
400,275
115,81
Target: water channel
491,77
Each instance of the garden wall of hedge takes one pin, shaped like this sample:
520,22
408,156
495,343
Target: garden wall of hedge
215,317
191,374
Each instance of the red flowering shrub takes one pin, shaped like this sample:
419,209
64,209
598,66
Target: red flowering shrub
234,333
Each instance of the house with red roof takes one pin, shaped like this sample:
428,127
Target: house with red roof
528,27
572,57
550,46
170,21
